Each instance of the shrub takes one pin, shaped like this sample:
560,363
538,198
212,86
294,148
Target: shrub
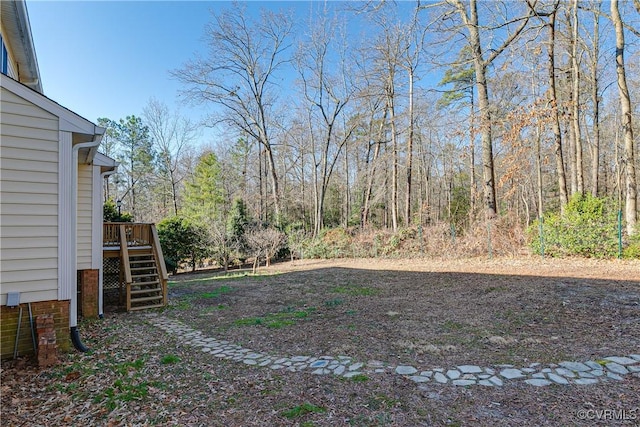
587,228
181,241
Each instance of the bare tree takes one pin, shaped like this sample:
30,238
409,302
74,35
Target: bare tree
481,61
170,134
631,213
321,64
239,75
264,243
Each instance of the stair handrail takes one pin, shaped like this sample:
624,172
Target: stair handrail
157,249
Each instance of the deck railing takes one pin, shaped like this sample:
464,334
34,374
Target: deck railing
135,234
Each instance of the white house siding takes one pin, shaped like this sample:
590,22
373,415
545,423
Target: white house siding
85,216
29,192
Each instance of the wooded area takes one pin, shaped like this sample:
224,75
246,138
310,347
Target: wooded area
393,115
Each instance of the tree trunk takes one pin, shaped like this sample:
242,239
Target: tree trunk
394,159
595,153
407,209
553,100
631,213
488,173
575,72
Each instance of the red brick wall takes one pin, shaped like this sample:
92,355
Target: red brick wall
9,324
88,284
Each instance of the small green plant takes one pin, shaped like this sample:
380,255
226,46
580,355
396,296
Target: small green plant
360,378
354,290
300,410
169,359
216,292
333,303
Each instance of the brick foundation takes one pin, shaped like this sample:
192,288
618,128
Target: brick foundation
9,324
47,346
88,285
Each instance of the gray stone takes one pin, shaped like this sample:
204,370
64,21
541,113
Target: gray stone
485,383
511,373
327,357
614,376
206,349
406,370
597,372
254,356
453,374
339,370
484,376
265,362
616,368
356,366
320,371
538,382
586,381
593,365
539,375
586,375
463,382
557,379
299,358
635,356
418,379
575,366
565,373
250,362
621,360
496,381
440,377
276,366
352,374
375,364
427,374
490,371
470,369
319,364
633,368
379,371
280,361
528,370
546,370
534,365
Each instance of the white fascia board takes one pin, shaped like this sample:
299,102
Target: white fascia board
69,121
105,161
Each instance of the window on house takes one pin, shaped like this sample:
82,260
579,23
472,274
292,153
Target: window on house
5,57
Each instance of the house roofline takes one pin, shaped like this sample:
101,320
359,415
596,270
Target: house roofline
15,19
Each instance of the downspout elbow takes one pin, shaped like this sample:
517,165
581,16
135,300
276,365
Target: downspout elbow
77,342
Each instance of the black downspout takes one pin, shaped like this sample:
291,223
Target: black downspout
75,339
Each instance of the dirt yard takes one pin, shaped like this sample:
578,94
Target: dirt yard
422,313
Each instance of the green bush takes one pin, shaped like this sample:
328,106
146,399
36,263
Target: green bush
181,241
588,228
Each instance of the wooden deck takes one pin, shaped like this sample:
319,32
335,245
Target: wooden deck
143,276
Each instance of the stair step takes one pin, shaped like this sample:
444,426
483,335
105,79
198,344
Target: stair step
142,276
145,307
144,299
149,283
141,261
151,267
145,291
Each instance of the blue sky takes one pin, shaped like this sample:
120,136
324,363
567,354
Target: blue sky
108,58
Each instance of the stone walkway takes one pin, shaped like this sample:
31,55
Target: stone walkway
613,368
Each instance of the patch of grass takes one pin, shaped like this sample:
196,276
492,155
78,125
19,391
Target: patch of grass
249,321
333,303
354,290
450,325
360,378
169,359
216,292
300,410
280,323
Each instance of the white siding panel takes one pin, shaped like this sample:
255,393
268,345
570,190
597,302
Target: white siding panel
25,297
26,165
31,144
27,221
28,242
28,199
13,265
34,231
29,211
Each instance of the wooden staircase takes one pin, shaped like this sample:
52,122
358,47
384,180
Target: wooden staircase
142,270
